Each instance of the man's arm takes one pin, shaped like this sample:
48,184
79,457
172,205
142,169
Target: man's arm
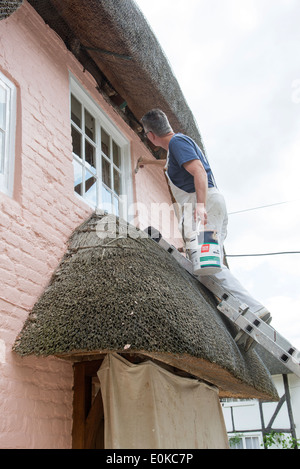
142,161
146,160
196,169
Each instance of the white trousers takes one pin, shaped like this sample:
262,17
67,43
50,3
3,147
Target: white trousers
216,217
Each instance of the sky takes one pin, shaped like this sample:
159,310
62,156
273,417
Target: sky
238,65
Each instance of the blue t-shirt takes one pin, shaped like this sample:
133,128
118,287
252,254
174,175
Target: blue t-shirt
181,150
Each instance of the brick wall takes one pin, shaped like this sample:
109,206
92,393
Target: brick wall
35,224
35,393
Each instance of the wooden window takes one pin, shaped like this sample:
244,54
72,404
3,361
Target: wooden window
7,134
101,159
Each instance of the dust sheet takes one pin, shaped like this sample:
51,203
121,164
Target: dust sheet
148,407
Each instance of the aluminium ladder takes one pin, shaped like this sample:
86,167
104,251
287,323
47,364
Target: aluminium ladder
239,313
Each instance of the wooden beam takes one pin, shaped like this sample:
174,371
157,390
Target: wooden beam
289,407
229,386
93,422
276,412
79,402
87,418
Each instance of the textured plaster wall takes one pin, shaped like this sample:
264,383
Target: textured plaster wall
36,393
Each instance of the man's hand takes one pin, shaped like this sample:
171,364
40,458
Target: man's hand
200,214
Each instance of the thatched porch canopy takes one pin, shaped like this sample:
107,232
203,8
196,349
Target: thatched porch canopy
127,295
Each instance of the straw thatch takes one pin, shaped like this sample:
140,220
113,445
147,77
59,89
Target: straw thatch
113,40
128,294
275,366
8,7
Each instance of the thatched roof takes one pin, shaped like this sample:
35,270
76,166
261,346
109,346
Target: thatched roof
275,366
128,295
8,7
115,43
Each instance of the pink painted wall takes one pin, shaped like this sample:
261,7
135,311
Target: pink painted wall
35,224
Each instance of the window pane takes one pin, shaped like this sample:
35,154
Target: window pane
116,206
117,182
106,200
106,172
248,443
255,442
117,155
252,442
90,188
1,152
2,108
76,142
75,111
105,142
90,156
77,177
89,125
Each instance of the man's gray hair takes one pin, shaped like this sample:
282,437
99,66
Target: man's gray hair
157,122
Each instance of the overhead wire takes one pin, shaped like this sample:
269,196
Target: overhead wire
263,254
263,206
268,253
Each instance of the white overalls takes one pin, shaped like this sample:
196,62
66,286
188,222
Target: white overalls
218,218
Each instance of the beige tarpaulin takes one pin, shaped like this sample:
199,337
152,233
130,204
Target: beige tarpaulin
147,407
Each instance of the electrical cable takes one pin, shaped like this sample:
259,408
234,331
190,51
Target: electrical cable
268,253
262,254
263,206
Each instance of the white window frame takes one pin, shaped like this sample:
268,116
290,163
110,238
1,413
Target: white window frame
245,436
103,121
9,135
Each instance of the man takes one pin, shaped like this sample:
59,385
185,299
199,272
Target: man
193,187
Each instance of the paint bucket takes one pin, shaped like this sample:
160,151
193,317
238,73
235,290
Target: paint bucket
204,250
